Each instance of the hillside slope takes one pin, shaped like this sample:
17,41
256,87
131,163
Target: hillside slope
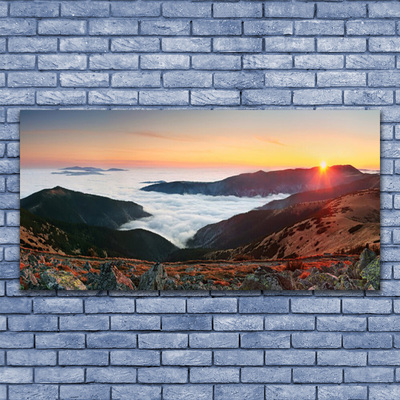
342,224
66,205
63,238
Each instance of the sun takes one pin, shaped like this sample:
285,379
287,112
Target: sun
323,165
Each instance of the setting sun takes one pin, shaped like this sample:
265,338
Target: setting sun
323,165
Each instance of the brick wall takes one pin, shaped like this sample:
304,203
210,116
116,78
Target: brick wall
199,345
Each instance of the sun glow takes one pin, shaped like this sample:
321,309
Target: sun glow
323,165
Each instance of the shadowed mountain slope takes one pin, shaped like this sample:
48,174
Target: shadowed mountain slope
66,205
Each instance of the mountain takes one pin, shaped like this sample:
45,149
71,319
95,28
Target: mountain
263,183
370,181
64,238
66,205
346,223
245,228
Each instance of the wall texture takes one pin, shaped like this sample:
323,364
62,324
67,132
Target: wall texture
199,345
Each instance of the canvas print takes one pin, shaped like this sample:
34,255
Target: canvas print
200,200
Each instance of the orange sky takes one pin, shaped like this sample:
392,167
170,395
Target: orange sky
201,138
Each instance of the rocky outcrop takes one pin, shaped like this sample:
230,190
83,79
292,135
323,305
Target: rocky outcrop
154,279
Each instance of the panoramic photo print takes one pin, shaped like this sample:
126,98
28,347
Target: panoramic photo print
200,200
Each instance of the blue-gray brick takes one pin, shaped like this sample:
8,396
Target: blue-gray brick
186,357
384,357
288,10
184,392
32,323
289,323
216,27
113,27
32,45
135,357
214,375
164,61
369,374
32,79
179,9
93,391
135,322
318,27
162,375
109,305
367,306
322,340
16,340
84,323
341,323
113,61
110,96
165,28
135,44
369,61
290,357
61,97
137,392
159,98
260,28
83,79
214,340
264,375
319,61
61,27
34,9
16,375
62,61
138,9
317,375
85,9
266,96
17,61
344,392
242,323
234,392
60,340
19,26
163,340
342,358
137,79
32,391
237,45
83,357
87,45
111,340
111,375
368,97
290,392
364,27
265,340
341,45
238,357
285,45
60,375
31,357
183,79
237,10
215,97
320,305
342,78
187,323
344,10
289,79
193,45
367,341
211,62
384,10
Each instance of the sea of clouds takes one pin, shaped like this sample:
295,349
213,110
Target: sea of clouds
175,217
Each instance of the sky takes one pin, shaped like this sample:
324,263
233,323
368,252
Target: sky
200,138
